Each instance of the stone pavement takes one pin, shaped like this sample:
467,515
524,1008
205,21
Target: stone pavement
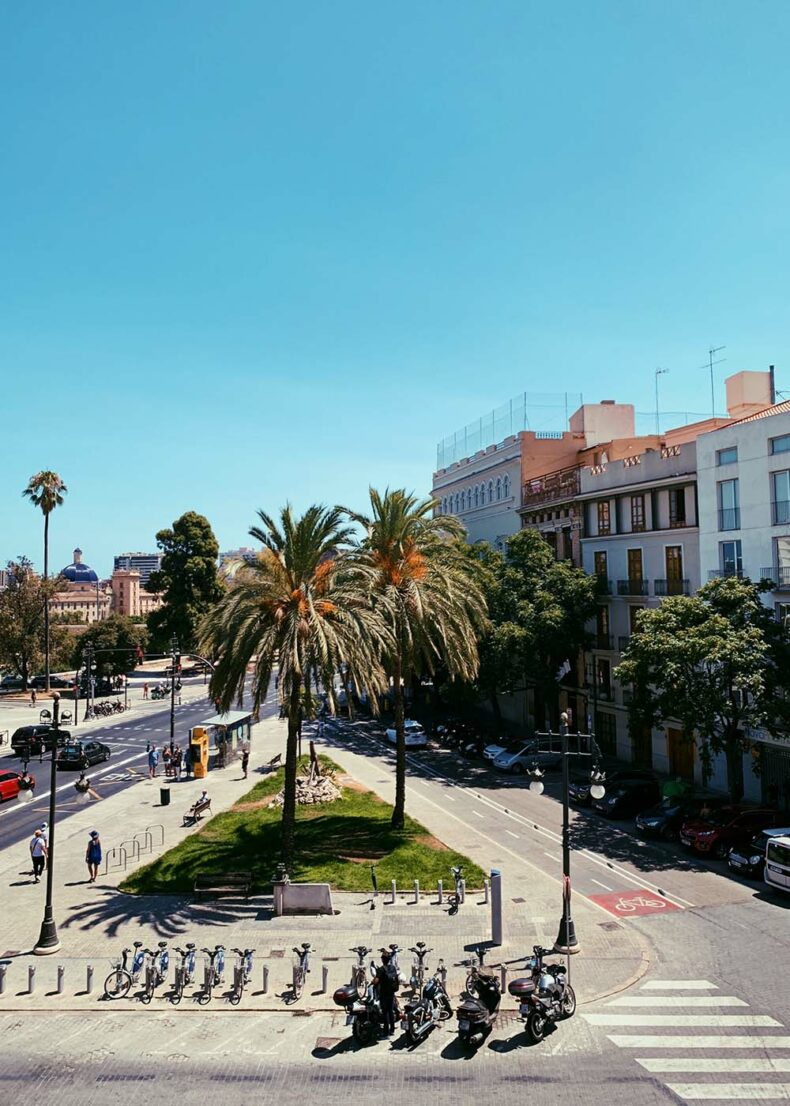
95,922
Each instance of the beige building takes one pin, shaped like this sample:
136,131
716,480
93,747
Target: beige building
129,597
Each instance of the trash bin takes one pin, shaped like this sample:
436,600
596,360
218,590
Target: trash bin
164,796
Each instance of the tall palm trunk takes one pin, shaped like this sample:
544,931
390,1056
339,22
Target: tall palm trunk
399,810
289,792
46,603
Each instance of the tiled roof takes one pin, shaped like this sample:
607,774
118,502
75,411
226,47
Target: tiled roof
782,408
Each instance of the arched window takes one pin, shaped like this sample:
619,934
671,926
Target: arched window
463,501
490,491
506,486
498,488
457,503
477,495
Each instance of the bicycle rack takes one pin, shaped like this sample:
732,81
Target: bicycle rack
135,848
116,850
161,828
148,841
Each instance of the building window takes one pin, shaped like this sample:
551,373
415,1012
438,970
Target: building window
729,505
780,497
602,628
604,522
490,491
604,676
783,613
637,513
727,456
674,562
463,501
730,560
601,566
781,444
506,486
606,732
457,503
477,495
498,489
633,618
677,507
634,566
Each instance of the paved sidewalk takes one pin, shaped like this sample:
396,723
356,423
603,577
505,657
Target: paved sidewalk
96,921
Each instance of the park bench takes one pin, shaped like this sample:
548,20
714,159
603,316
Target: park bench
226,883
196,811
275,762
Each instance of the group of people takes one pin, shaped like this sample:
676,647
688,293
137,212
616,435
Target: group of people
39,853
174,760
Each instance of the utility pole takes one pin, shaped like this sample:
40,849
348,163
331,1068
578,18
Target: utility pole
173,661
711,352
48,940
659,372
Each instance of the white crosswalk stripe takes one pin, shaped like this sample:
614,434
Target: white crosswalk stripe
701,1064
678,985
763,1041
763,1092
683,1021
678,1000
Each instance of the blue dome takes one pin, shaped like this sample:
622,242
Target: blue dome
77,572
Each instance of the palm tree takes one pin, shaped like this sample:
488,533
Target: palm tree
427,591
303,604
46,490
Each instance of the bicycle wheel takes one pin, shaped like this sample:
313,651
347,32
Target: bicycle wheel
205,996
117,984
146,997
360,982
235,997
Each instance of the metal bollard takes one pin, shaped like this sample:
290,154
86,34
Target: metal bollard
441,892
486,891
442,969
394,891
503,977
462,890
266,979
496,906
324,979
3,970
416,891
61,977
31,979
89,980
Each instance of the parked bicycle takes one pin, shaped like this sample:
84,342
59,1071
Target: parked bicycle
301,968
418,967
359,971
120,980
457,897
213,972
242,974
185,972
156,965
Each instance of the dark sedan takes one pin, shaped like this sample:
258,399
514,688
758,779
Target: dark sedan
82,754
31,741
579,788
665,819
749,860
730,826
627,798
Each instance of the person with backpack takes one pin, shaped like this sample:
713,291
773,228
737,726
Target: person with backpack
387,983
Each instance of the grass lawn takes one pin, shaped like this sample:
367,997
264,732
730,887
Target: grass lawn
335,843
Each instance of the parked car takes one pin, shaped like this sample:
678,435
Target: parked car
9,784
527,756
665,819
12,683
579,788
82,754
498,747
718,832
627,797
749,860
54,681
34,740
414,735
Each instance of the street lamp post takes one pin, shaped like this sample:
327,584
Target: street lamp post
174,654
567,940
48,940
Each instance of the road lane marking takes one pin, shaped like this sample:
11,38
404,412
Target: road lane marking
683,1021
477,812
763,1092
513,834
678,1000
678,985
65,786
599,884
699,1064
551,856
764,1041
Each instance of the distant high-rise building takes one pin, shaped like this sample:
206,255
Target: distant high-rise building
243,554
144,563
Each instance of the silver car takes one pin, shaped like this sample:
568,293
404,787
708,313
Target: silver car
528,756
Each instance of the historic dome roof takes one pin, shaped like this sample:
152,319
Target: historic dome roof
77,572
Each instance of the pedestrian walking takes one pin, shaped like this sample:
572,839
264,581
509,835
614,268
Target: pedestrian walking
44,827
245,760
188,761
38,853
93,855
32,697
167,758
153,760
145,691
386,979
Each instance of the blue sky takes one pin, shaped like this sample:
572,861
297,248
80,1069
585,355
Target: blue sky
256,252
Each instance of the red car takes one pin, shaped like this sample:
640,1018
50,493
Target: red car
716,834
9,784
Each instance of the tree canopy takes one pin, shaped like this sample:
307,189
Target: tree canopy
718,663
115,642
22,623
187,581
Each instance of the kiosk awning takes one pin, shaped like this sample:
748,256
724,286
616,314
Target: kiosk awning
231,718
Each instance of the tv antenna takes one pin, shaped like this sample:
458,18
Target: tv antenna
659,372
710,365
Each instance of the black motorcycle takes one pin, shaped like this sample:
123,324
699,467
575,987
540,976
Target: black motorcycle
479,1006
433,1006
544,996
362,1014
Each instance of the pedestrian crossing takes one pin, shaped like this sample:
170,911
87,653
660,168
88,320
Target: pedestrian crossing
667,1053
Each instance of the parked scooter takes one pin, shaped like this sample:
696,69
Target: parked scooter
544,996
479,1006
362,1014
433,1006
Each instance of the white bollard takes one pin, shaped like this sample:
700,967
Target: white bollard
61,976
416,891
486,891
394,891
324,979
31,979
440,891
462,890
3,970
89,980
266,979
503,977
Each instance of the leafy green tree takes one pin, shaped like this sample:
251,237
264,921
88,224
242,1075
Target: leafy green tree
115,642
46,490
302,605
187,581
718,663
22,623
427,592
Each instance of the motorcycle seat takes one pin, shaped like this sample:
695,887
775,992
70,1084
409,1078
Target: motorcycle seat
521,987
344,996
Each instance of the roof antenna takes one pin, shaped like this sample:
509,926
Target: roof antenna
711,353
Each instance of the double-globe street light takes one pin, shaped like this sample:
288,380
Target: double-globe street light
566,939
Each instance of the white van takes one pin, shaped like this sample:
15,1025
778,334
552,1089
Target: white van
777,863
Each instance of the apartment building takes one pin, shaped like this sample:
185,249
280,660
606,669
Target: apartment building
144,563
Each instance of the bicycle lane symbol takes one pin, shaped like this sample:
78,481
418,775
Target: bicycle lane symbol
632,904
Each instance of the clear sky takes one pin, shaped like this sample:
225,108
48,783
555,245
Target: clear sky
252,252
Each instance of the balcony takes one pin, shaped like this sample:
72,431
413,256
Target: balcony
622,642
552,488
603,586
780,577
671,587
730,518
725,573
633,587
603,641
780,510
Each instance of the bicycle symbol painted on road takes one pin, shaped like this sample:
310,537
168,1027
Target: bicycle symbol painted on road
628,906
631,904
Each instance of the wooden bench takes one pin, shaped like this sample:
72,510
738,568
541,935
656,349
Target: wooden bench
226,883
196,811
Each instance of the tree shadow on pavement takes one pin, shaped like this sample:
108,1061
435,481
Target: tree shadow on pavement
168,916
607,839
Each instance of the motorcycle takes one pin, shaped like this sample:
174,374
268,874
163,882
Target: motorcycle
544,996
362,1014
479,1006
433,1006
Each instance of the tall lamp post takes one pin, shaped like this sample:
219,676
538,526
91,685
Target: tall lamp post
567,940
173,661
48,940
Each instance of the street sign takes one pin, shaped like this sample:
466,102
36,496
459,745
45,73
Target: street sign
631,904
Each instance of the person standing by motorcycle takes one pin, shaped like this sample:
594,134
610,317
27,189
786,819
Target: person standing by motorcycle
387,983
